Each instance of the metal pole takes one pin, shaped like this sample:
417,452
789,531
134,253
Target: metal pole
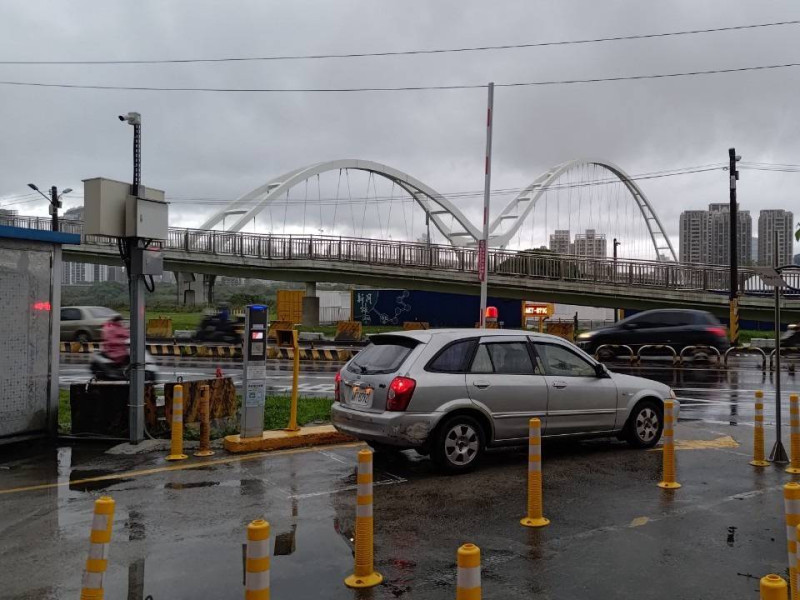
734,258
616,243
778,453
54,206
137,359
483,243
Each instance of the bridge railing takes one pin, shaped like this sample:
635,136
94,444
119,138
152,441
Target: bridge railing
537,264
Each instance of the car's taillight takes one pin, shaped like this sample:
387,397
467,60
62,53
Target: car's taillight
400,391
717,331
337,386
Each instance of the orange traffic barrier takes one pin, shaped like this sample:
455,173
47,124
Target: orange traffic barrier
794,422
176,445
205,424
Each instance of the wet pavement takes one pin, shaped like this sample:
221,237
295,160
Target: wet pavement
179,528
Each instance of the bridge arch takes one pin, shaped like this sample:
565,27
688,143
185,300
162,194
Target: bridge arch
521,206
432,202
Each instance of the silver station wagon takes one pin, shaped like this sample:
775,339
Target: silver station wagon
451,393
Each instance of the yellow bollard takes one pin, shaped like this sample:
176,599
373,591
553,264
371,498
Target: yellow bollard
758,433
773,587
535,516
365,575
295,381
97,563
791,500
668,482
176,445
257,559
794,421
205,424
468,578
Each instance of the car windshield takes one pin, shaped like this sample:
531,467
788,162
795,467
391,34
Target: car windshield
100,312
384,355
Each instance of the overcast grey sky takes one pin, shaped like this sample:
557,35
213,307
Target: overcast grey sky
200,145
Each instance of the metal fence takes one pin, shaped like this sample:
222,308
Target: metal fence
535,264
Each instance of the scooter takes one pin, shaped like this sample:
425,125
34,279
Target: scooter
105,369
791,337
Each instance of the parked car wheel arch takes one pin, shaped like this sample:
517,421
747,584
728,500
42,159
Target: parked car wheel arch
479,416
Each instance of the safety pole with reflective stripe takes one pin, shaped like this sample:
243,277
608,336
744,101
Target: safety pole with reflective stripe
791,500
668,481
535,516
468,577
794,422
257,561
364,574
758,433
205,423
99,539
176,444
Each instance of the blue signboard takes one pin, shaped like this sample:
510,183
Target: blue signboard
394,307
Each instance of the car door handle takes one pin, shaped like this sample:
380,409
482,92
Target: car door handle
559,385
481,385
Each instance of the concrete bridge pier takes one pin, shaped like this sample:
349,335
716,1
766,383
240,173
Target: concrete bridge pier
311,305
193,289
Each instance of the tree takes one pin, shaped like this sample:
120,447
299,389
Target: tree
540,262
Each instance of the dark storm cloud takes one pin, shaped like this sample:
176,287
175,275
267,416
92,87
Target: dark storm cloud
222,145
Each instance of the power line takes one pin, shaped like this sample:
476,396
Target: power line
414,88
387,53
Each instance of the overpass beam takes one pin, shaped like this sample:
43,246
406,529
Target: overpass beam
311,305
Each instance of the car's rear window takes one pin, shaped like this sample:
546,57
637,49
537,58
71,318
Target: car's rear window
384,355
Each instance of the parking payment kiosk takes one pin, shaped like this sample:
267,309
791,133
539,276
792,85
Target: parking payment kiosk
254,362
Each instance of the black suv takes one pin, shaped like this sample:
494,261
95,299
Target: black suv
673,327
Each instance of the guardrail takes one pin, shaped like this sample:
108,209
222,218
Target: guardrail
540,264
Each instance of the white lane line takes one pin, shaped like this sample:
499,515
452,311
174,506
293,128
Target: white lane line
349,488
332,456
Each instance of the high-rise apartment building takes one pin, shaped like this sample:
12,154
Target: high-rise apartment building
705,236
693,237
590,244
560,242
771,222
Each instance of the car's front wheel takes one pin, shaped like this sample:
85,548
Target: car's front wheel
458,445
645,424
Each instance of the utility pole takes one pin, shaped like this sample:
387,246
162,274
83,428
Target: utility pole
54,199
135,250
778,454
483,243
616,243
734,257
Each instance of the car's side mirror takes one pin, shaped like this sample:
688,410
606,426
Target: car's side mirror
600,370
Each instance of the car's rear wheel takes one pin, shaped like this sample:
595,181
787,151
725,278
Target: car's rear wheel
458,445
645,424
83,336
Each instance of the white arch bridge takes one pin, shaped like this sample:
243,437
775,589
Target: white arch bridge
462,232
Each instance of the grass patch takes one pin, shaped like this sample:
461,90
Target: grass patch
309,409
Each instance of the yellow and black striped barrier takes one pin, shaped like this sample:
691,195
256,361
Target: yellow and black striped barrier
758,433
794,421
205,351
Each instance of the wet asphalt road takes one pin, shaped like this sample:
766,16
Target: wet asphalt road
178,531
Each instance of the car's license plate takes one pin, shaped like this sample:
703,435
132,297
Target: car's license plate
362,397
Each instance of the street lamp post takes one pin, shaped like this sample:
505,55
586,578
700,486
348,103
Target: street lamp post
616,243
483,243
734,257
54,199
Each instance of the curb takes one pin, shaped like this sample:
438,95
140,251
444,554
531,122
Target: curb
317,435
203,351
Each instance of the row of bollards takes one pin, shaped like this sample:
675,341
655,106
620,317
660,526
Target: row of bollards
176,430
